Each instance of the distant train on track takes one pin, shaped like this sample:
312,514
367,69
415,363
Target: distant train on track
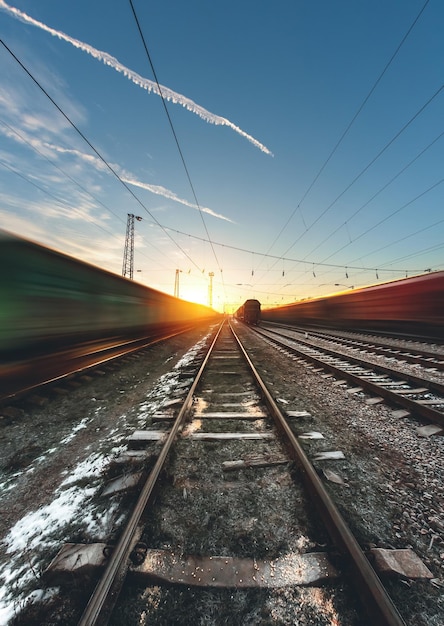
50,300
410,305
249,312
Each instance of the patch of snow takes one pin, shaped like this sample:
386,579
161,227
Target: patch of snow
39,532
75,430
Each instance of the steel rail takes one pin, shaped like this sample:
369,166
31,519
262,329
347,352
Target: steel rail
373,595
419,409
99,355
412,355
411,378
379,341
106,592
377,333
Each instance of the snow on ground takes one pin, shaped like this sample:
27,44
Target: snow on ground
41,532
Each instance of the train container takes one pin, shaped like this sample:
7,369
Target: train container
49,299
411,305
249,312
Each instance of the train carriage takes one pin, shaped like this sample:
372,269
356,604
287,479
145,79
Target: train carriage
249,312
409,305
48,299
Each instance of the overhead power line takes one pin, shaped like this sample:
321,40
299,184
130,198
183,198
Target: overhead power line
387,217
380,153
340,140
174,132
281,258
104,161
375,195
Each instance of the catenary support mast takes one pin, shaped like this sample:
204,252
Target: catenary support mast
210,289
128,254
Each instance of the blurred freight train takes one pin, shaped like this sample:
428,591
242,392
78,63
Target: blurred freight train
249,312
410,305
49,300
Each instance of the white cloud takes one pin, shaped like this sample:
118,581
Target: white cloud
50,149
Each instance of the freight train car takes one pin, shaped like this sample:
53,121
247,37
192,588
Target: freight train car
410,305
249,312
48,299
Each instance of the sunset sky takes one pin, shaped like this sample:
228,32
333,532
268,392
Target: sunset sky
302,152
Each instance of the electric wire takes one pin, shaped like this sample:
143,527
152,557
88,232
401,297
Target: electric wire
418,253
104,161
167,229
174,132
423,107
380,153
394,243
371,162
342,137
155,221
44,156
387,217
375,195
279,257
72,179
65,203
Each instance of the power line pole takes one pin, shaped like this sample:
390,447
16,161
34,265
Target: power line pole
176,284
210,289
128,254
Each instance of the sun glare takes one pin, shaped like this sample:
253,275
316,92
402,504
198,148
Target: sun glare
194,295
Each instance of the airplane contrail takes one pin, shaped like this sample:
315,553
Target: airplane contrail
142,82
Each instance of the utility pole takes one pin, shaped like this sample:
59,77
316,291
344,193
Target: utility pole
128,254
210,289
176,284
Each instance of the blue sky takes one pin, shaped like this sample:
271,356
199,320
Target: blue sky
260,95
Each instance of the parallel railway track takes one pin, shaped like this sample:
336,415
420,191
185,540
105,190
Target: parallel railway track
255,419
417,394
30,373
420,353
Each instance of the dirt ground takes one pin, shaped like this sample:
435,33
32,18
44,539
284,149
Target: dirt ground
394,480
60,450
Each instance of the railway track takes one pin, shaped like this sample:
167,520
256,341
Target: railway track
416,394
419,353
20,378
227,401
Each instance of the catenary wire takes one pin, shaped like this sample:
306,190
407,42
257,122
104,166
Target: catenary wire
63,202
387,217
342,137
166,229
174,133
375,195
44,156
72,179
387,145
82,135
155,220
278,257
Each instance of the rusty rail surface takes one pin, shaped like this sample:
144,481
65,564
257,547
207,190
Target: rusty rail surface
421,410
371,591
373,595
106,592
